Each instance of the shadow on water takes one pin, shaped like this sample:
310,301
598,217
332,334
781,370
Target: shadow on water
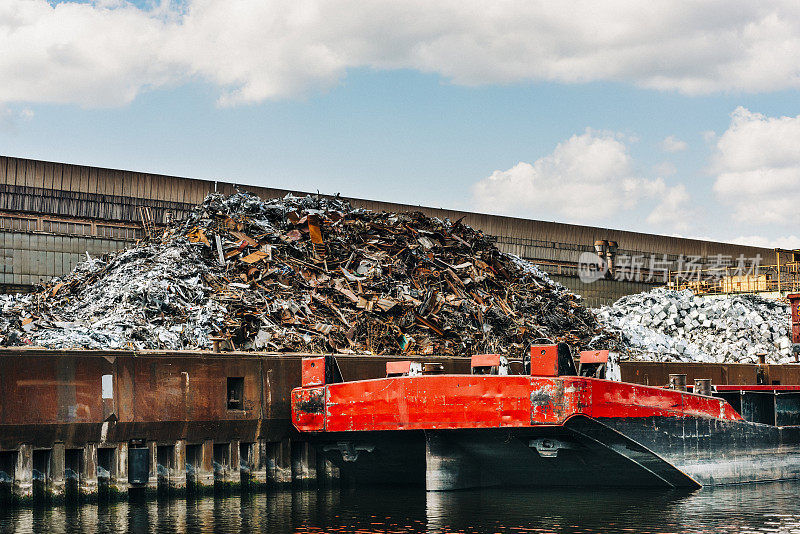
751,508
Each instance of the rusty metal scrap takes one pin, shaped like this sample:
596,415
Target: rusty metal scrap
306,274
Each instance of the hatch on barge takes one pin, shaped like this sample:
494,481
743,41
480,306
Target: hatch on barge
551,426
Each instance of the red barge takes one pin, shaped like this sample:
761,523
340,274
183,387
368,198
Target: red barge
550,425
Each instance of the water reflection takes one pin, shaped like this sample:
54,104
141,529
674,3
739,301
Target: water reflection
742,509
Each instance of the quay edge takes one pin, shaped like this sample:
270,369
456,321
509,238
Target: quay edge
86,425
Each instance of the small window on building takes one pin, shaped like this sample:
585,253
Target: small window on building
235,394
107,386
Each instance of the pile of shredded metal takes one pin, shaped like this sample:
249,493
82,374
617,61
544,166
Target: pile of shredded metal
667,325
306,274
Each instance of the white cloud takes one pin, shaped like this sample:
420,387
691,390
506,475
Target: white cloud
673,144
788,242
665,168
6,119
709,136
592,170
9,117
80,53
673,210
757,167
588,178
106,52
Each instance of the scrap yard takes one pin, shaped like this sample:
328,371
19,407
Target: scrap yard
303,275
399,267
167,366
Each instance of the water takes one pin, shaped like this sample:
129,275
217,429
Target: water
741,509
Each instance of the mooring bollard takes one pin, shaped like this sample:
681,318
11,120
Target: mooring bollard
677,382
702,386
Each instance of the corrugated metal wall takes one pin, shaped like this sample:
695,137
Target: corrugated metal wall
91,192
30,258
78,194
601,292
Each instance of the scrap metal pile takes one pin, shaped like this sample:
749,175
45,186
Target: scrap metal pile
304,275
668,325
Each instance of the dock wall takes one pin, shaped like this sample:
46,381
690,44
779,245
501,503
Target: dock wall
98,424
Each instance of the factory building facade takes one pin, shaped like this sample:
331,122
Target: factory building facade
53,214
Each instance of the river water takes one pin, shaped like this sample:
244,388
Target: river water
773,507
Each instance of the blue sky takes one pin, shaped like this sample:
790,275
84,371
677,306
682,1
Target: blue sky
368,108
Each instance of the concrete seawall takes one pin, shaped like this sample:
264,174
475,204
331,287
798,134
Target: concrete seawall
88,425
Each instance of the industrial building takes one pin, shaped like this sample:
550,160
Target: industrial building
53,214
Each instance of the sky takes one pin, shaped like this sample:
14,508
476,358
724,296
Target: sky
668,116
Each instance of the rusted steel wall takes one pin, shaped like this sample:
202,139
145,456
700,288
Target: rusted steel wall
657,373
55,396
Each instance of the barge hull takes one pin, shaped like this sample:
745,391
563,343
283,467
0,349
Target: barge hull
718,452
646,452
550,431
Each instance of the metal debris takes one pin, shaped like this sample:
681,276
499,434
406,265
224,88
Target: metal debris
667,325
303,275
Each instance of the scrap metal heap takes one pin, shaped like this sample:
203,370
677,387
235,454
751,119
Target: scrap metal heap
306,274
668,325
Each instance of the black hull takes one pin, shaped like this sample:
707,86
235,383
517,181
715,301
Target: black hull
639,452
717,452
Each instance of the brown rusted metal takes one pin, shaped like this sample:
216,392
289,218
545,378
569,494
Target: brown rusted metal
794,320
657,373
702,386
56,396
677,381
